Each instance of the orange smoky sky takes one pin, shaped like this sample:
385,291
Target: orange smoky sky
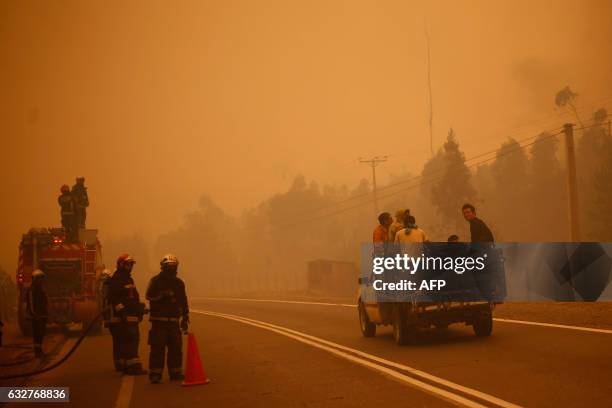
157,103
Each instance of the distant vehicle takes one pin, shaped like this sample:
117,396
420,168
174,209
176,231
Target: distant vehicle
456,304
71,281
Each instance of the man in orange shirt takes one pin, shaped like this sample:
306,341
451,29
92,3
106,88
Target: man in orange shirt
380,237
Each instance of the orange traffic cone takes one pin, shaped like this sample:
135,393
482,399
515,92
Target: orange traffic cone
194,373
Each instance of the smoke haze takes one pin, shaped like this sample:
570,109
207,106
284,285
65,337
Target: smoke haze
159,103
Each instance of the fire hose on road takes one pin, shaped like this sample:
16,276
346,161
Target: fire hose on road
62,360
20,360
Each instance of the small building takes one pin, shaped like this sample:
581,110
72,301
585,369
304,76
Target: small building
332,278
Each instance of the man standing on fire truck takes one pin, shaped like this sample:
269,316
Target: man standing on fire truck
81,201
126,313
68,212
168,303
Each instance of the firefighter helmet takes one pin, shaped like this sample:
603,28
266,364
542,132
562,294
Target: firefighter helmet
125,258
38,274
64,188
169,259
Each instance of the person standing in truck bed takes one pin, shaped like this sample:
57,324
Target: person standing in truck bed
380,236
478,229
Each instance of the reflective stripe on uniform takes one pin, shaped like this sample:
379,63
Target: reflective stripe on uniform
125,319
30,305
164,319
132,361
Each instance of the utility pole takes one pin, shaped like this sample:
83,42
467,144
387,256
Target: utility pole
430,93
373,162
572,188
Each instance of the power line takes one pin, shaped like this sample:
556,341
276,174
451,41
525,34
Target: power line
428,180
323,216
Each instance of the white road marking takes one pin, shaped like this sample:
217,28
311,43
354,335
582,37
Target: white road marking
369,360
558,326
125,392
526,322
299,302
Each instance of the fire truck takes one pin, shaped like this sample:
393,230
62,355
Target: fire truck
71,270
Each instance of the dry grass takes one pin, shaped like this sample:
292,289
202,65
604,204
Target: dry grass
596,314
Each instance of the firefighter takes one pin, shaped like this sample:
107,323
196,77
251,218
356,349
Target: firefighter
36,308
126,312
104,282
81,201
169,316
67,211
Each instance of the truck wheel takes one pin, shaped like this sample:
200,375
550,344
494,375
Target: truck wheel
483,325
368,329
402,332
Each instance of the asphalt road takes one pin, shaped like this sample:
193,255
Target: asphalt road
278,354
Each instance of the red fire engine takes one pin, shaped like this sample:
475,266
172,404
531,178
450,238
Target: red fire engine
71,270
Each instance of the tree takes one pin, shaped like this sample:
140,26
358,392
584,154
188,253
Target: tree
510,172
547,196
205,245
600,116
600,210
452,186
591,154
362,188
566,97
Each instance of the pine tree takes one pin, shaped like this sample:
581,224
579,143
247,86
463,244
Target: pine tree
453,186
601,206
591,155
547,195
511,175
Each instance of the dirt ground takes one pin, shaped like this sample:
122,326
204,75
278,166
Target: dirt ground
589,314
